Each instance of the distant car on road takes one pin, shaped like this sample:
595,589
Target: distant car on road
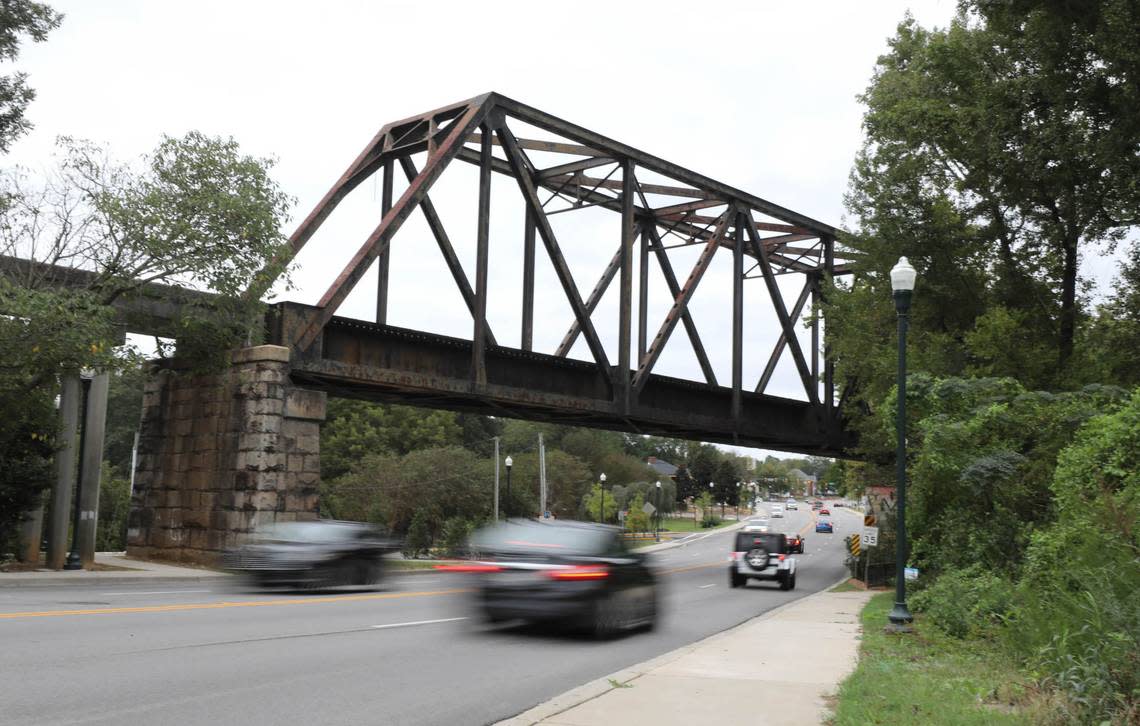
817,505
757,524
316,554
576,573
796,543
824,525
792,504
825,512
761,556
777,510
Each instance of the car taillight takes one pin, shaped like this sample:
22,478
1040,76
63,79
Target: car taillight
469,568
781,558
580,572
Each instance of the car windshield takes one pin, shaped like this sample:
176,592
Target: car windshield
554,540
306,532
750,540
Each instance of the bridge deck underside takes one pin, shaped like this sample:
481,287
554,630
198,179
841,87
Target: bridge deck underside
360,359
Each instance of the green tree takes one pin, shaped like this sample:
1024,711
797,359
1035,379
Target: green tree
418,541
19,18
636,520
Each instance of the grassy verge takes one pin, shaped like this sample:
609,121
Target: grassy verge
928,678
688,525
412,564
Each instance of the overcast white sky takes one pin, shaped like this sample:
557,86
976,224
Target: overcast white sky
760,95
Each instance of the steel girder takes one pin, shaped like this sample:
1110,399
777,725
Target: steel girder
764,239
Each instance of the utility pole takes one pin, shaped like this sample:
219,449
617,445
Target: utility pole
496,499
541,477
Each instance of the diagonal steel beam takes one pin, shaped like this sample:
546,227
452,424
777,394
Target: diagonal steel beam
525,180
680,304
781,310
686,318
782,341
381,236
596,295
572,166
435,224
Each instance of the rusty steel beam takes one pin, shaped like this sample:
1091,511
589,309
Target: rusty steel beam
379,239
737,317
592,301
781,311
522,175
686,318
680,304
642,294
383,261
591,182
563,169
554,147
625,288
527,337
482,244
435,224
781,342
678,210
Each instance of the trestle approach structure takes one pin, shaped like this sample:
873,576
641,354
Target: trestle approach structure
373,360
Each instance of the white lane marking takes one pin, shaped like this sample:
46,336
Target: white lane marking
702,587
155,592
416,622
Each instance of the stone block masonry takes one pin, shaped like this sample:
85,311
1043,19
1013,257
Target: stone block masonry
220,455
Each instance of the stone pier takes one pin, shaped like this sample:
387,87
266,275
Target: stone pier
222,454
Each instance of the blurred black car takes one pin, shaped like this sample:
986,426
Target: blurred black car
315,554
575,573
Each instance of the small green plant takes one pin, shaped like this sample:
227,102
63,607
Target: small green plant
966,602
614,683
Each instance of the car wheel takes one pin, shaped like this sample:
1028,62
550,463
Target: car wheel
792,586
757,558
784,583
735,579
651,611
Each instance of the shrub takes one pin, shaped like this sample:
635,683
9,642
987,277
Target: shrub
453,540
966,602
418,540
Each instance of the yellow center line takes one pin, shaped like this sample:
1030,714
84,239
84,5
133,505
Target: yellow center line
229,604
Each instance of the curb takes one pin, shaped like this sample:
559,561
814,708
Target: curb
109,578
601,686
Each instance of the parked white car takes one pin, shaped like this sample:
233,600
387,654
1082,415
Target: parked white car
792,504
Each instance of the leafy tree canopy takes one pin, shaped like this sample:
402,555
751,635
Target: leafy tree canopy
19,18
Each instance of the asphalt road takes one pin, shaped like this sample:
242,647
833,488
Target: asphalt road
193,655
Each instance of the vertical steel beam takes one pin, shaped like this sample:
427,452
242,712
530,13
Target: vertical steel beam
482,239
828,363
625,296
525,180
69,396
813,280
382,259
528,282
643,296
94,435
737,317
378,240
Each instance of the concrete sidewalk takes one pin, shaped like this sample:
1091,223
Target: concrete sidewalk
136,570
778,668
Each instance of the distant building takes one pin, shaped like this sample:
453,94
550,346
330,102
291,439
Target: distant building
808,481
663,468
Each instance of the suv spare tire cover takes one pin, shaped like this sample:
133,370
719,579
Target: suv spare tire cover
757,558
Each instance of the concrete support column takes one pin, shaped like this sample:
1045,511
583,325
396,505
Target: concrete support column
94,434
69,396
220,455
31,535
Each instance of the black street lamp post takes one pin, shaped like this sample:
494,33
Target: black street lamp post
902,285
602,503
657,519
507,504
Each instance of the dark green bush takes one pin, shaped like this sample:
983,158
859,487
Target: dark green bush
966,602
